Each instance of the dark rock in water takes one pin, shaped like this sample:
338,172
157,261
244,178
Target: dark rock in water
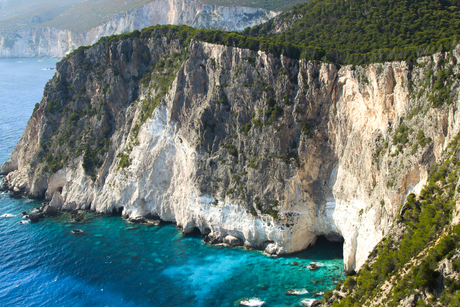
206,231
310,303
77,231
34,217
233,241
79,217
313,266
24,213
216,241
138,220
50,211
211,239
262,287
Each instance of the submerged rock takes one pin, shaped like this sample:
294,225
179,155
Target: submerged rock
50,211
34,217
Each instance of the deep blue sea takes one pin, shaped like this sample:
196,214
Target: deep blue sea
114,263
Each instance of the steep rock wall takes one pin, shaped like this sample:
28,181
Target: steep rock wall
54,42
268,149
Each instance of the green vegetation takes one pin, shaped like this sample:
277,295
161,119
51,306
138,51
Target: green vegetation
397,28
441,92
91,161
411,263
338,31
160,76
274,5
231,149
37,105
79,51
125,160
52,106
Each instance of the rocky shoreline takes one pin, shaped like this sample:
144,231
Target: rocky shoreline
248,148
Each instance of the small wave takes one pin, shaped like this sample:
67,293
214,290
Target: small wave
7,215
251,302
296,292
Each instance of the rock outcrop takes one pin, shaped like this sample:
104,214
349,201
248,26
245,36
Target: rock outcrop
270,150
55,42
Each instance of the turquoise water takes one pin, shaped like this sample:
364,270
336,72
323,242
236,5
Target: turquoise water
114,263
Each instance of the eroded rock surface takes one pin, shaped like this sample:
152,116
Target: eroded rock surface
270,150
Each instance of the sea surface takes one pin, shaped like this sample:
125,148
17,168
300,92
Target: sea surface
115,263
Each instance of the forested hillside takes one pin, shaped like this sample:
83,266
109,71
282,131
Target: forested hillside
362,25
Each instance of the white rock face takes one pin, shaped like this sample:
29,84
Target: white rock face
54,42
344,183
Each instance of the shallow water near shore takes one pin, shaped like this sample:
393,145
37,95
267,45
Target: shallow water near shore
115,263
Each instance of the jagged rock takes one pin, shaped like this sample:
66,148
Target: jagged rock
322,166
57,201
69,206
233,241
248,245
313,266
34,217
310,303
271,249
50,211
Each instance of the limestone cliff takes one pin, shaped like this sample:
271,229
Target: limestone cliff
55,42
271,150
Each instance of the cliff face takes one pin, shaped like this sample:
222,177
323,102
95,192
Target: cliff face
270,150
54,42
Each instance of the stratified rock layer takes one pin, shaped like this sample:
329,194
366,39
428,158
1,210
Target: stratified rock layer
269,150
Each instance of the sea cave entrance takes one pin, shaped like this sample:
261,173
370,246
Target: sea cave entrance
325,248
117,211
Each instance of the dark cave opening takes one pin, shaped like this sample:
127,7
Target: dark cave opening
194,233
117,211
326,248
